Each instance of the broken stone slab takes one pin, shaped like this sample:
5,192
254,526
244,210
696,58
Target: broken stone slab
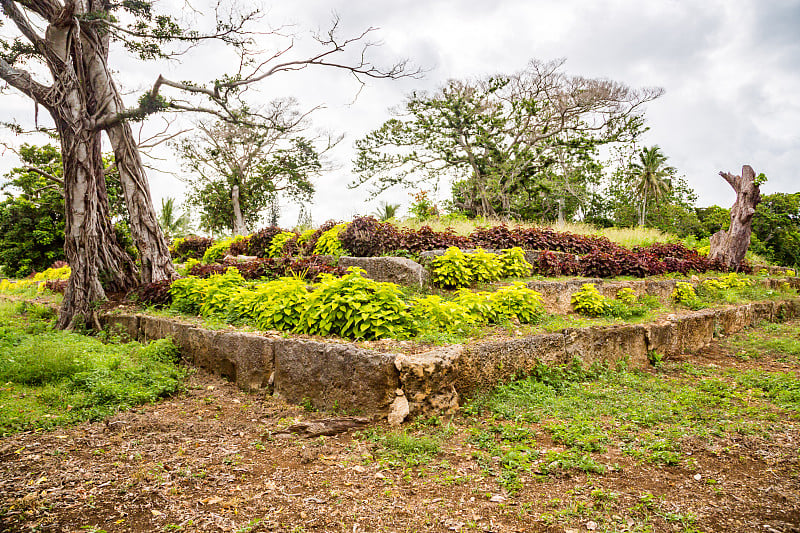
428,379
733,319
248,357
331,376
399,270
695,330
662,337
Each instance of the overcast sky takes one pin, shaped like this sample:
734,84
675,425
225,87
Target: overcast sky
730,69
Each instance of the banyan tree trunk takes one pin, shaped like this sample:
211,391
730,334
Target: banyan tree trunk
97,261
156,263
729,247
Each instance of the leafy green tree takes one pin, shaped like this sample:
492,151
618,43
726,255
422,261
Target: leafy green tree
173,225
652,178
712,219
776,224
238,171
497,136
32,214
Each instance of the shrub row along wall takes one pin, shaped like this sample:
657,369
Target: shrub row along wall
588,255
333,375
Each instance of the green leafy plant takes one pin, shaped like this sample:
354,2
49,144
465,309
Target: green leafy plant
356,307
433,313
217,251
218,291
626,295
477,303
188,294
684,293
329,243
278,243
452,269
514,264
588,301
484,267
517,301
279,304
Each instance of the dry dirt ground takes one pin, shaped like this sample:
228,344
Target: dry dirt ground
214,459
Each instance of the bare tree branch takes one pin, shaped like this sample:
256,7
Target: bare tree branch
45,174
23,81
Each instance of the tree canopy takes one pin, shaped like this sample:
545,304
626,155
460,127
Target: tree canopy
32,214
499,136
237,171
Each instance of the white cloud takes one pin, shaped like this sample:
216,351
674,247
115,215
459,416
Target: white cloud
731,71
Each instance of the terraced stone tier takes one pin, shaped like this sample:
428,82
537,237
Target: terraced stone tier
341,375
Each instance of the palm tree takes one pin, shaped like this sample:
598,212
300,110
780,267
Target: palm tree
386,211
652,178
171,226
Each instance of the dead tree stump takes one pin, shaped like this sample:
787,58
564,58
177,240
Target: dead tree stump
730,246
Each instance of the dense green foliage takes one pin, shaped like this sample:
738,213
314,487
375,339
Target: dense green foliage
32,219
356,307
455,269
276,247
328,242
53,377
776,228
350,306
588,301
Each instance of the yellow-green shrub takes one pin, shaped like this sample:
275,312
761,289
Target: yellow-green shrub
626,295
356,307
278,242
477,303
217,251
452,269
588,301
278,304
433,313
218,291
684,293
329,243
484,267
53,273
514,264
517,301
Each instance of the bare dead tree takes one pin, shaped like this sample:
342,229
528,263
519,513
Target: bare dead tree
730,246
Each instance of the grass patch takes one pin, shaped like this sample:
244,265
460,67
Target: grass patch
646,416
781,339
403,448
54,377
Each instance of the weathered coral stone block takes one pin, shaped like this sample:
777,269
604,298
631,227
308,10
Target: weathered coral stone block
489,363
607,345
334,375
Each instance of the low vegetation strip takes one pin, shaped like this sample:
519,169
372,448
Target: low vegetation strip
706,443
53,377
